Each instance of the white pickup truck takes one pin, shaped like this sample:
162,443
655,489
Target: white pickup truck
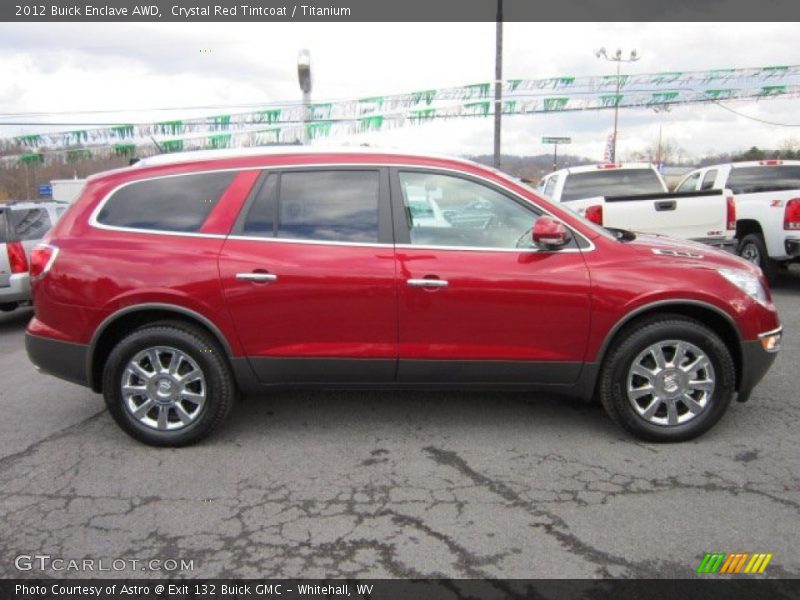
634,196
767,208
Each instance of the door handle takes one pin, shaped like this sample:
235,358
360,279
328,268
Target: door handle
666,205
432,283
257,277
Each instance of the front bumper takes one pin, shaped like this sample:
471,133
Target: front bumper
756,361
17,290
66,360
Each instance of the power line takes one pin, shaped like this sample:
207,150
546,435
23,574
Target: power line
736,112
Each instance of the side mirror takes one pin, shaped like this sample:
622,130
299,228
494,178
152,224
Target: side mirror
550,233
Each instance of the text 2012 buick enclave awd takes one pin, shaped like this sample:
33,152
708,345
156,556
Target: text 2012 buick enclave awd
173,284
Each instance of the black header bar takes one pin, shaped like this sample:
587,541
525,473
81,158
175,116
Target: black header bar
395,10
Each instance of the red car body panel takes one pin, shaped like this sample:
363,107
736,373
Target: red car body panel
328,301
497,306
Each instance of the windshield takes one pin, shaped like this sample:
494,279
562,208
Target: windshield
611,182
751,180
3,227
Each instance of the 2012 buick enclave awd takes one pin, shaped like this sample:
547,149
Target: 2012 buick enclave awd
174,284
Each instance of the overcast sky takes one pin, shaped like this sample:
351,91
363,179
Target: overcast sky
54,68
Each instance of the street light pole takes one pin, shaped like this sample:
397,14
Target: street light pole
304,78
498,82
617,58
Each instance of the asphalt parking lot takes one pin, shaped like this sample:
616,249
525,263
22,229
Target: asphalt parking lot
398,484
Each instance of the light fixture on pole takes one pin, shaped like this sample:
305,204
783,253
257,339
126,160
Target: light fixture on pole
304,78
617,58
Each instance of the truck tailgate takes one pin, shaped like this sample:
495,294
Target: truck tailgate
686,215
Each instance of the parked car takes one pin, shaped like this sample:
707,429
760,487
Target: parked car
22,225
174,283
767,205
634,196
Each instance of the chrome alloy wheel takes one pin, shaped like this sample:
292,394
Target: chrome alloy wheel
751,254
670,382
163,388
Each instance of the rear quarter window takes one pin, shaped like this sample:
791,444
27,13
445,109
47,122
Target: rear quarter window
179,203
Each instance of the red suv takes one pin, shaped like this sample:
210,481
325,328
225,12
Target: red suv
171,285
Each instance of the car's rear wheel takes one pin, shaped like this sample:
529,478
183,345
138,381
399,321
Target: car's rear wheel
668,379
168,384
753,249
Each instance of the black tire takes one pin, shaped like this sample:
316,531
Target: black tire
636,340
752,248
194,343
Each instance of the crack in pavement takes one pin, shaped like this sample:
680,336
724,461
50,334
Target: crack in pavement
10,459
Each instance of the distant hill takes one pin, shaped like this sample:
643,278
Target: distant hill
531,167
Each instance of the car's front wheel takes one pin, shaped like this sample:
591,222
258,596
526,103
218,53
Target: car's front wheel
668,379
168,384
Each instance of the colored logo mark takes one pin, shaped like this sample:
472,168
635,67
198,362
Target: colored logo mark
738,562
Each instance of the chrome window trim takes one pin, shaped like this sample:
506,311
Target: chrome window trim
93,222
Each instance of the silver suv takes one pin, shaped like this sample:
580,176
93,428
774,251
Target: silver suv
22,225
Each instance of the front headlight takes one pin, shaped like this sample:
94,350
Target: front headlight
747,282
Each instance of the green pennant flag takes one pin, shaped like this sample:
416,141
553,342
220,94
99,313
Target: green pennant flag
370,123
269,116
29,140
554,104
73,156
426,95
31,158
425,114
170,127
124,149
172,145
215,142
123,131
219,122
319,129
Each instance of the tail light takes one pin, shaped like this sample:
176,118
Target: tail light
595,214
16,257
731,218
791,214
42,258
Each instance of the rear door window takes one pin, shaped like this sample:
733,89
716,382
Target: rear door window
29,223
611,182
319,205
708,180
178,203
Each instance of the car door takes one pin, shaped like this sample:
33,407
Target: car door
477,302
309,278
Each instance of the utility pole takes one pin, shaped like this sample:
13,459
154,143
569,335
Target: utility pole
498,83
617,58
